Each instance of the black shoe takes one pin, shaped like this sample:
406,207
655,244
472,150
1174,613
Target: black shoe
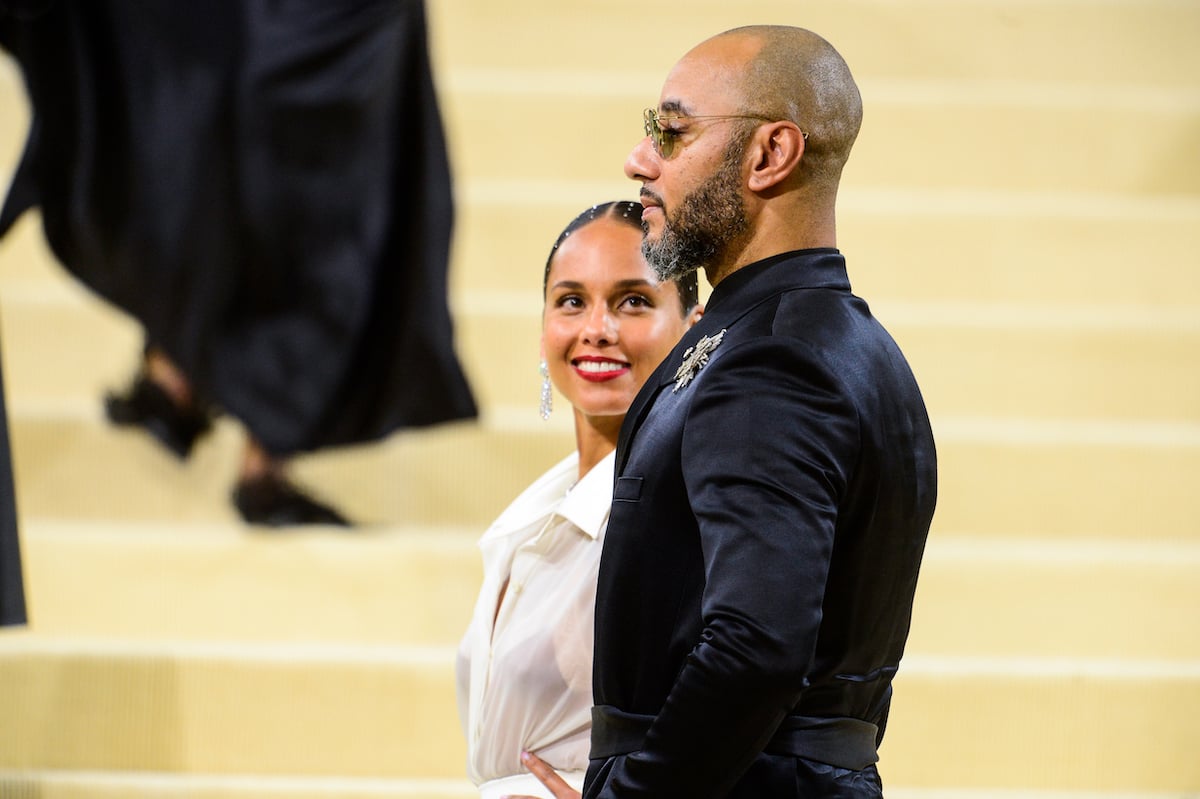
273,501
148,406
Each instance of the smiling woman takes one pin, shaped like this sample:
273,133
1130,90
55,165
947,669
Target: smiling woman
525,663
607,324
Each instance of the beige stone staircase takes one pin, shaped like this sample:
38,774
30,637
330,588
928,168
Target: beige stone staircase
1022,211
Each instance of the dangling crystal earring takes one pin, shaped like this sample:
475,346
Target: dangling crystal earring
547,403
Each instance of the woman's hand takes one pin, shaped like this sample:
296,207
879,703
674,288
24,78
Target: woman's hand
548,777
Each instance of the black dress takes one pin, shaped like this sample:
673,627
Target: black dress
264,186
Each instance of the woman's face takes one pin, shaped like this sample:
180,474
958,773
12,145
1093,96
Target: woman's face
607,322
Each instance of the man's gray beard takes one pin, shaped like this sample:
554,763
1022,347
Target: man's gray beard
708,221
666,260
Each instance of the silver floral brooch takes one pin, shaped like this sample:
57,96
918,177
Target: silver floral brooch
694,359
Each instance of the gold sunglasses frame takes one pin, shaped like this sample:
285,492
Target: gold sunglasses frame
651,123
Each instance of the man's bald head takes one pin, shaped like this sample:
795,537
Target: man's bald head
796,75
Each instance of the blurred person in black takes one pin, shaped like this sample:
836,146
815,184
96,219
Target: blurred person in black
264,186
12,590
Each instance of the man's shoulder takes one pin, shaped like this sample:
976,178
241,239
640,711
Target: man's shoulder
803,313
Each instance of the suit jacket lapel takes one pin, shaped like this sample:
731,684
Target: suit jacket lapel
637,411
737,294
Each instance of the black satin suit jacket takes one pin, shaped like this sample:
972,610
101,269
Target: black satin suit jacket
768,524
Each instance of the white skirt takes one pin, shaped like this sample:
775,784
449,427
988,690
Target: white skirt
526,785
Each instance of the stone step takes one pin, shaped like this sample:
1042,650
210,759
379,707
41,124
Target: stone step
206,581
1086,251
458,475
956,135
1096,365
211,707
166,580
906,244
46,784
388,712
998,479
1057,599
1100,254
1115,364
1113,44
1050,724
1050,479
133,785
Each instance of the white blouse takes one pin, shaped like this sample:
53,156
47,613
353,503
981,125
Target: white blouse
525,682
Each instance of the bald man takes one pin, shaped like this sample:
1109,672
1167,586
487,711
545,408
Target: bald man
775,478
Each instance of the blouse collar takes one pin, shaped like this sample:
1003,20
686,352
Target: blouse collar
587,503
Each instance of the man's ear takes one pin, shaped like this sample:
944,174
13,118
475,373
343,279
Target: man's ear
778,148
